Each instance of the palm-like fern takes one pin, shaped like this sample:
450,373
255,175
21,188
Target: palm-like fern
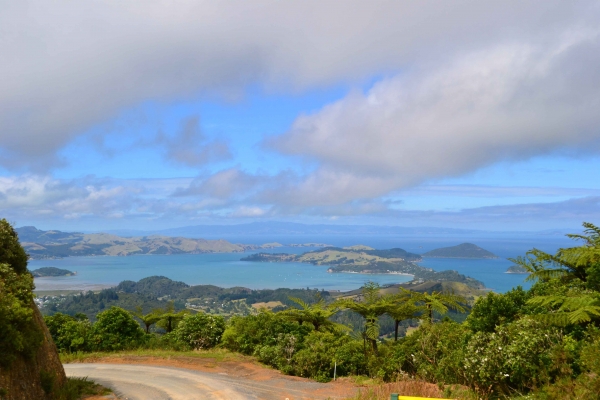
317,314
439,302
401,308
567,264
370,305
572,310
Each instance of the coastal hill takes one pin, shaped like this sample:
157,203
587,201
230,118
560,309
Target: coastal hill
51,271
465,250
516,269
56,244
354,260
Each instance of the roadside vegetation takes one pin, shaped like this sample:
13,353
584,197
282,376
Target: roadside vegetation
543,343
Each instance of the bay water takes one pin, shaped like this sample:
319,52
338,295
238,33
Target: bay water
227,270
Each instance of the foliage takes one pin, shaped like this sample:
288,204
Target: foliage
370,308
19,334
115,329
317,314
572,309
496,309
517,357
69,334
433,352
77,388
169,319
248,334
568,264
200,331
11,251
322,351
439,302
148,319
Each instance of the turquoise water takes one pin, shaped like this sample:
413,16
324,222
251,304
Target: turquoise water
490,272
226,270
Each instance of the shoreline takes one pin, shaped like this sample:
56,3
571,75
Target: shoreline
370,273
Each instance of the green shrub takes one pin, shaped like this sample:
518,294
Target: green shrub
496,309
115,329
433,352
200,331
69,334
516,357
248,334
322,350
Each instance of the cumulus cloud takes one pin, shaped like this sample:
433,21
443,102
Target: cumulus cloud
512,101
148,204
69,65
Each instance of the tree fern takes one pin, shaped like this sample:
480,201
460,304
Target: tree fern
568,310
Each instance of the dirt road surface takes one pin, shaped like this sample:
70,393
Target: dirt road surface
151,382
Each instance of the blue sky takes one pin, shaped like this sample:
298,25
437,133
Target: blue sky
151,116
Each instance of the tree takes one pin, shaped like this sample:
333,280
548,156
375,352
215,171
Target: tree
400,308
200,331
568,264
496,309
435,301
115,329
370,308
317,314
169,318
148,319
19,331
11,251
577,270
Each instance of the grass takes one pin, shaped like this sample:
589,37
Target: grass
77,388
219,355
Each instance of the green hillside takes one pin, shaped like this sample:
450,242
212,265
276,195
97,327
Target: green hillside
465,250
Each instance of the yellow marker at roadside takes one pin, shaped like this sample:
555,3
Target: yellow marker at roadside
395,396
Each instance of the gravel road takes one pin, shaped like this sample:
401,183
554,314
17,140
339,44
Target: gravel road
142,382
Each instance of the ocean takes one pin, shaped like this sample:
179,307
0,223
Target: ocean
226,269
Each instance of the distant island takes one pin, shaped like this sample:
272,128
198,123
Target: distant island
41,244
516,269
361,259
465,250
51,271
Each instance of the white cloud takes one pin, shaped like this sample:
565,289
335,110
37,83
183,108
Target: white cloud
69,65
507,102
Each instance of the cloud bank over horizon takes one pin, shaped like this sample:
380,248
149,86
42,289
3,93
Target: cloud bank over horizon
429,93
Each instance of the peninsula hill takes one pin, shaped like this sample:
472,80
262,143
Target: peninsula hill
56,244
51,271
465,250
364,260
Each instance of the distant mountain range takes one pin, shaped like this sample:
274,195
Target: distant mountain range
291,228
57,244
273,228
